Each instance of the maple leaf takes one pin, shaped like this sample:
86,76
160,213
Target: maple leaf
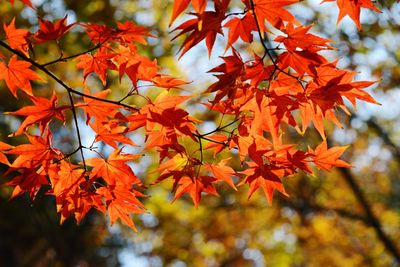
79,203
28,181
222,172
257,72
4,147
219,143
352,9
165,113
68,178
299,37
99,34
231,71
128,32
326,158
136,121
181,5
110,133
272,11
121,202
178,163
114,170
241,27
38,152
98,109
49,31
17,74
42,112
262,176
17,38
136,66
166,81
301,61
194,187
199,32
98,63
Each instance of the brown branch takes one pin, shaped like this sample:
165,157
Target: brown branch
303,206
372,220
385,136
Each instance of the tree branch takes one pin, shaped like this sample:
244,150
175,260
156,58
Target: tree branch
371,219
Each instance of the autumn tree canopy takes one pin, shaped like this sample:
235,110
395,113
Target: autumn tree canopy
292,87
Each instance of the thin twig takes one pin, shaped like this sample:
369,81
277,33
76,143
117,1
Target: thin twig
59,81
64,59
266,49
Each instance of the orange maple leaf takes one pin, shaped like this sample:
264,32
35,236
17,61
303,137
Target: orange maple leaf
38,152
128,32
4,147
222,172
121,202
195,186
166,81
17,74
68,178
17,38
114,170
98,63
326,158
97,109
110,133
42,112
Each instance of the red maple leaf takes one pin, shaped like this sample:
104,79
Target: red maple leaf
352,9
241,27
263,177
199,31
49,31
181,5
28,181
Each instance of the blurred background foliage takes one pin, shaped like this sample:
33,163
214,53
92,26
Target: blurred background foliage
340,218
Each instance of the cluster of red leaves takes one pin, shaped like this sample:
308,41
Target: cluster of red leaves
292,85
